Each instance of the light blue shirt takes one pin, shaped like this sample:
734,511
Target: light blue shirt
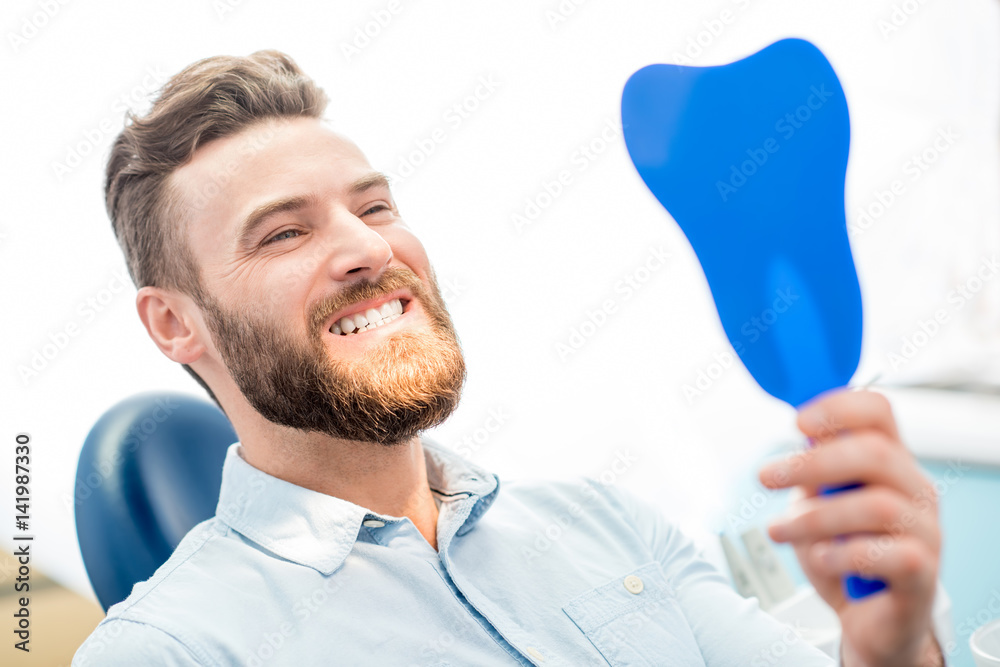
557,574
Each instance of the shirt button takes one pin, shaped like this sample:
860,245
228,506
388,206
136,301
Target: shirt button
633,584
534,653
373,523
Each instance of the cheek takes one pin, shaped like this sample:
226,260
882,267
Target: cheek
407,249
281,284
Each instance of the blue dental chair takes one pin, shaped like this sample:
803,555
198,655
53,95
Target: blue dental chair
150,470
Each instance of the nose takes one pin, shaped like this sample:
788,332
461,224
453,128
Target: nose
355,250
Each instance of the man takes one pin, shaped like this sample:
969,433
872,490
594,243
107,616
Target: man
272,263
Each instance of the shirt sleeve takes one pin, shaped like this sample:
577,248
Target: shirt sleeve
729,629
125,643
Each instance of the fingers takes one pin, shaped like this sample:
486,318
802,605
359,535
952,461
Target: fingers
830,413
869,510
869,457
829,586
906,563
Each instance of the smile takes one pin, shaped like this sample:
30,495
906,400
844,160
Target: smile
369,319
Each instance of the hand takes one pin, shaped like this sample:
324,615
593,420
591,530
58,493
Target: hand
891,527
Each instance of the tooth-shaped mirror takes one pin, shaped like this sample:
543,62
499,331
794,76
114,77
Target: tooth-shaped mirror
750,159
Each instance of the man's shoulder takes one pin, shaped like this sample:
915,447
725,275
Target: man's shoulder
189,590
117,642
185,568
131,630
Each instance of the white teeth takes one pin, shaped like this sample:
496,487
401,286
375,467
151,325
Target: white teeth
368,320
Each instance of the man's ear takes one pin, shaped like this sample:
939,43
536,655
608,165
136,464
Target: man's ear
172,321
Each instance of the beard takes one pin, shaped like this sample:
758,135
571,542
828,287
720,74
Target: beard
405,383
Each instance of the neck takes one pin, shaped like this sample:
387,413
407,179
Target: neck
389,480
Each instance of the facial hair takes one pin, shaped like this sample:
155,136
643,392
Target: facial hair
404,383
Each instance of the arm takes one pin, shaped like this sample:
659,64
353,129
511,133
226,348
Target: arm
930,655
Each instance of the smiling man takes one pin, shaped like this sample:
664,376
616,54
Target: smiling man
273,263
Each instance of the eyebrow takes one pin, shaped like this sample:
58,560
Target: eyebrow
261,214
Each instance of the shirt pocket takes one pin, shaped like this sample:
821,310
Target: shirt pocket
635,620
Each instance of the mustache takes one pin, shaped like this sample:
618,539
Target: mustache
392,279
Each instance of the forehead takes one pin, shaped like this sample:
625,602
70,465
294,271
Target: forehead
229,177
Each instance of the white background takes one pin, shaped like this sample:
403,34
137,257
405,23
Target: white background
514,294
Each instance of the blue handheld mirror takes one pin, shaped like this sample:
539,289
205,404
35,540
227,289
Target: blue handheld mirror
750,160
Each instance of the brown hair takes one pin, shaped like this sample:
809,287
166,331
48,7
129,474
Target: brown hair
210,99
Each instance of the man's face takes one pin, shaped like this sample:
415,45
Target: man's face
294,232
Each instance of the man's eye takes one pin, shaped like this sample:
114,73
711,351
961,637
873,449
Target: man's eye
280,235
376,208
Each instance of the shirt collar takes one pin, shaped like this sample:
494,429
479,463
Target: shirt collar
319,530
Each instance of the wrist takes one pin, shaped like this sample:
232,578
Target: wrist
931,655
926,653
